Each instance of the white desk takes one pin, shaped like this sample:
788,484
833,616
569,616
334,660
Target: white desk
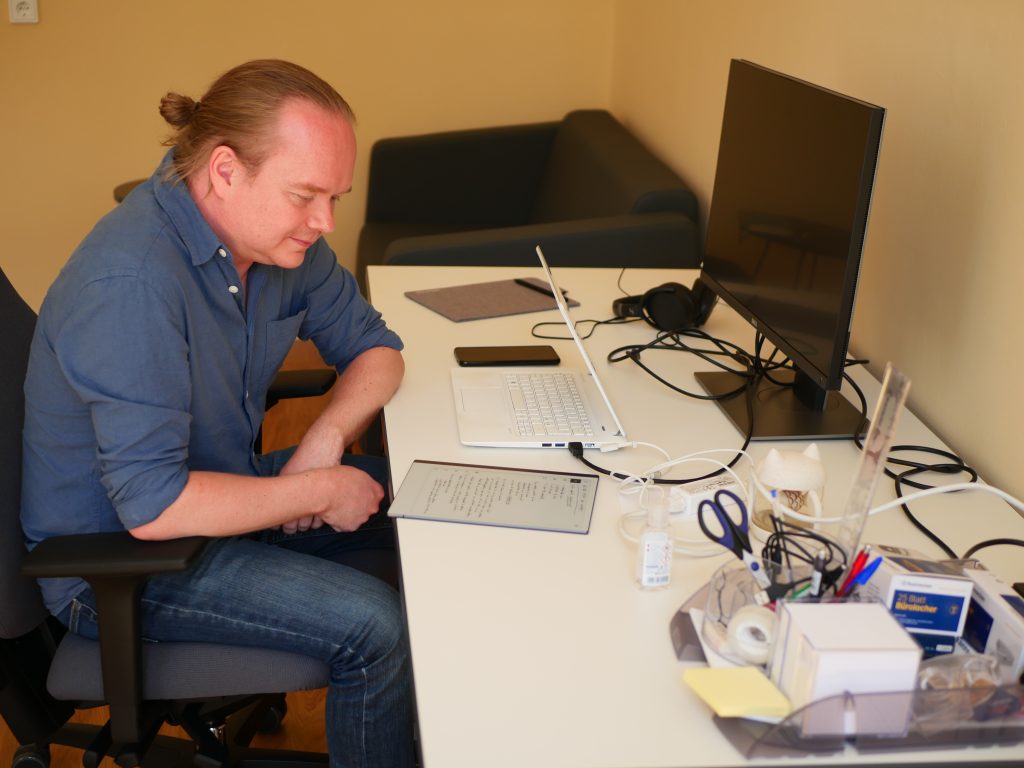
535,649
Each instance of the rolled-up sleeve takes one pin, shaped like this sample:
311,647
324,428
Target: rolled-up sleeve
338,319
126,356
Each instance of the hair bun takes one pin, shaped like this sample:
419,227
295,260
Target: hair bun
179,110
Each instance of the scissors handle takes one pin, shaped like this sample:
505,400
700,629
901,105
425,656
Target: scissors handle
732,536
744,522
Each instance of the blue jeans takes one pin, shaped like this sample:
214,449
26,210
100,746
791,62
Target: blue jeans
294,593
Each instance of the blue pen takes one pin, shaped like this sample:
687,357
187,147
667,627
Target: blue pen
866,573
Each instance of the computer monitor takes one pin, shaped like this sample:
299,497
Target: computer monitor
785,232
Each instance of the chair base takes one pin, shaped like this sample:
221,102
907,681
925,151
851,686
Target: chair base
208,747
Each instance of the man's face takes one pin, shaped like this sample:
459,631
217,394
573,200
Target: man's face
274,215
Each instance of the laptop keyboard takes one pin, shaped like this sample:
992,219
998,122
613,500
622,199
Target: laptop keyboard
547,404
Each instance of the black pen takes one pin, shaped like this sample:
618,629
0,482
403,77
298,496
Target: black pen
534,287
818,573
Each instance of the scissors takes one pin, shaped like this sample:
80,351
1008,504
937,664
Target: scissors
732,535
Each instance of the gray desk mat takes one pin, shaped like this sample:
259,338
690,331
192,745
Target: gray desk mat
477,301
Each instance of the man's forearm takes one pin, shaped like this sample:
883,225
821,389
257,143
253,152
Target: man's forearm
361,391
221,504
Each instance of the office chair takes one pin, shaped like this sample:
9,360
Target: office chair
221,695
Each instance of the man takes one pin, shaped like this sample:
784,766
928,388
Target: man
145,392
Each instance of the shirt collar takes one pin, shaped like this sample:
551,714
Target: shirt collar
176,201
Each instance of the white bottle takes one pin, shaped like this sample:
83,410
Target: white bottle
655,545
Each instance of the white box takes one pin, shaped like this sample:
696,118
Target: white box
826,649
995,623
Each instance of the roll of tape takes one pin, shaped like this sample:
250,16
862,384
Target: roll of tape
751,633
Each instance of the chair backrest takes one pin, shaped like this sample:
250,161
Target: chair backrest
598,168
21,607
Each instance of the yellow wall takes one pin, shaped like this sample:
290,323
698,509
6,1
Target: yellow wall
78,97
943,268
79,91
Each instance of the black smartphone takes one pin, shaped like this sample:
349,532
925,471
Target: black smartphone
536,354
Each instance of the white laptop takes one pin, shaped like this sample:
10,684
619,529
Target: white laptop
519,407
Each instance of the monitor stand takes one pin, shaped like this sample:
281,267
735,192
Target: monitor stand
778,413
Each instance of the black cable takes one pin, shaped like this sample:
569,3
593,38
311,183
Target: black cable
576,449
618,283
758,367
991,543
576,324
917,523
784,546
953,464
671,340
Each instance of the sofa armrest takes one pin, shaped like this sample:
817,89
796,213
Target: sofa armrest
487,177
599,168
116,565
630,240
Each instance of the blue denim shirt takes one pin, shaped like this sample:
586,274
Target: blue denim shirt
149,361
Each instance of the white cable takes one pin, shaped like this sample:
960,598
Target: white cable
609,447
699,456
658,469
634,484
702,547
1017,504
637,484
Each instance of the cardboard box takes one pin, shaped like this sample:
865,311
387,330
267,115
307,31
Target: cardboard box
929,598
995,623
826,649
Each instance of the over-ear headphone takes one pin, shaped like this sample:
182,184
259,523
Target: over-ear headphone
670,306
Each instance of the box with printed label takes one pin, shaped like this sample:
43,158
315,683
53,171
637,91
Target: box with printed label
928,598
995,623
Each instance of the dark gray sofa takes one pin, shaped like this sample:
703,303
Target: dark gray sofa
584,188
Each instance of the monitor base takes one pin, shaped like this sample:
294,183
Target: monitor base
778,414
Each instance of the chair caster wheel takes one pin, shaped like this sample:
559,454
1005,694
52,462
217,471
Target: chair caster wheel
272,718
31,756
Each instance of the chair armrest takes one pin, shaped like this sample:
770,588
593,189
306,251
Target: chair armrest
482,178
110,555
301,383
116,565
630,240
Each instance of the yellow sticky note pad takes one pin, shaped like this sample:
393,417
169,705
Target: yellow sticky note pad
737,691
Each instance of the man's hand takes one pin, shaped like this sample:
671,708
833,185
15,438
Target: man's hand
311,453
358,497
363,388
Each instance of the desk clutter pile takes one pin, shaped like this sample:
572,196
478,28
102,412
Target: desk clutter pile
887,648
931,654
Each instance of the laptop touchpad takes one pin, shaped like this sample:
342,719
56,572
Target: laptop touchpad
483,400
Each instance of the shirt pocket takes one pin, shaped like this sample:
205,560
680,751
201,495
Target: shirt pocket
279,337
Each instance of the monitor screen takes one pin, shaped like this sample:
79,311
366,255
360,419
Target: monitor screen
785,232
